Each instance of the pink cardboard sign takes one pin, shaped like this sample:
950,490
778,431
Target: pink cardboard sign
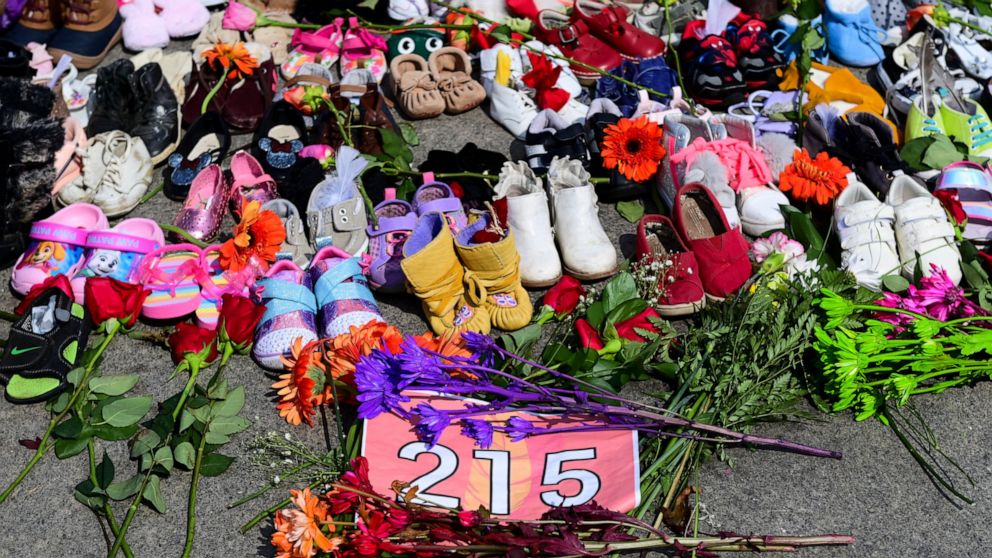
516,480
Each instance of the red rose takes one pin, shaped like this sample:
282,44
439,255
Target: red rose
949,198
588,336
109,298
239,316
627,329
189,339
564,296
469,518
54,282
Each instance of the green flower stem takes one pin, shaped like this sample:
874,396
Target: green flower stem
298,469
191,501
210,95
9,316
151,193
182,233
262,21
194,372
131,511
272,509
482,175
44,446
107,510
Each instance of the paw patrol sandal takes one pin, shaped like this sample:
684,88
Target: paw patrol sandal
117,252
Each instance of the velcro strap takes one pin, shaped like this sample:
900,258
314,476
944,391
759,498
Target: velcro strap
120,242
331,286
440,205
866,215
920,208
47,230
392,224
865,233
292,296
928,230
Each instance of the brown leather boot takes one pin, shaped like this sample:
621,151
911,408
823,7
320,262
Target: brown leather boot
35,24
91,29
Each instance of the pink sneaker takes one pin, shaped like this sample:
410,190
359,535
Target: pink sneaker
203,210
290,314
322,46
250,182
363,49
57,245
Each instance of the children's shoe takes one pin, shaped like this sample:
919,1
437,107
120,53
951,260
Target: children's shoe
437,197
205,143
322,46
512,109
421,42
56,246
90,30
550,136
865,228
782,39
203,210
969,53
586,251
872,142
679,131
530,220
279,139
721,251
183,18
295,248
414,87
510,70
966,122
68,161
923,232
489,253
336,210
142,28
395,222
451,68
602,114
711,67
681,289
117,252
575,41
363,49
249,182
290,314
608,23
342,292
972,185
852,36
436,277
43,346
117,172
756,57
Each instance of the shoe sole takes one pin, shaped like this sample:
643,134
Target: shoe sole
710,298
592,276
755,228
685,309
89,62
540,284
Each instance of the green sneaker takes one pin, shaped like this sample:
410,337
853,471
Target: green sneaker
967,123
924,119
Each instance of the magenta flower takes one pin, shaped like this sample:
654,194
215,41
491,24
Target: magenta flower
942,298
239,17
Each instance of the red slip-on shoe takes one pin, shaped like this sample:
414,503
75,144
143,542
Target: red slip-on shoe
608,23
576,42
678,273
720,250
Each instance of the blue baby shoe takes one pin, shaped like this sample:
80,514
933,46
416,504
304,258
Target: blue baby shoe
852,35
782,39
652,73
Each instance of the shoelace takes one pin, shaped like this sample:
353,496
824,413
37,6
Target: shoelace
930,125
869,33
981,130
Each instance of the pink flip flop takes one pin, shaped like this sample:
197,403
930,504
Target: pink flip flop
173,274
217,283
117,252
321,46
57,245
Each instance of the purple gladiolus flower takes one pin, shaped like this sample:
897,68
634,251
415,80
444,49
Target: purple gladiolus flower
479,430
431,423
519,428
378,378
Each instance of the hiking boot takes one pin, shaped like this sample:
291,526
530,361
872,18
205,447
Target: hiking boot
92,28
34,26
157,117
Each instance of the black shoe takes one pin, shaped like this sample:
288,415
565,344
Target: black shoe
756,56
473,192
549,136
14,60
114,101
871,145
709,64
34,366
279,139
207,141
302,178
603,113
156,119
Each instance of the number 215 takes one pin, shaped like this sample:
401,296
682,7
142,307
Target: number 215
499,486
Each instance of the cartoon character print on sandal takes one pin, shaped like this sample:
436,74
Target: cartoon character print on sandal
280,154
185,170
52,257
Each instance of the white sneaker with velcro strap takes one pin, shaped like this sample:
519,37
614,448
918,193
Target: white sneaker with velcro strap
922,230
867,238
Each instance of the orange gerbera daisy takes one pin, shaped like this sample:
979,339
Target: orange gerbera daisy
233,58
633,147
295,388
256,241
342,352
449,344
820,179
299,531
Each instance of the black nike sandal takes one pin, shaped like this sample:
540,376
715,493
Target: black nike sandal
34,366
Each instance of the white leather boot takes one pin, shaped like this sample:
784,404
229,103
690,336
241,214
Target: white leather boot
586,251
530,221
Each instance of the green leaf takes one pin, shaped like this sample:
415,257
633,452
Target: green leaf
144,443
59,404
974,274
625,311
619,290
912,152
409,134
113,385
217,439
127,411
802,228
596,314
202,414
218,391
105,472
185,420
214,464
124,489
184,454
66,448
941,153
520,341
163,458
228,425
89,496
69,429
75,375
232,405
631,210
114,434
396,148
895,283
153,494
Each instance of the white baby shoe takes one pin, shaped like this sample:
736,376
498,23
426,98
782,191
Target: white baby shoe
530,220
586,251
922,229
865,228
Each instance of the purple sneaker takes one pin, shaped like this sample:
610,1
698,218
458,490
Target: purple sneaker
437,197
396,219
290,313
342,292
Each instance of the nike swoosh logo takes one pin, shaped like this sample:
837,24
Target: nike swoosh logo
17,350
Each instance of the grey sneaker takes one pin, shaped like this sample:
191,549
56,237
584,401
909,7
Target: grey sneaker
295,247
336,214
